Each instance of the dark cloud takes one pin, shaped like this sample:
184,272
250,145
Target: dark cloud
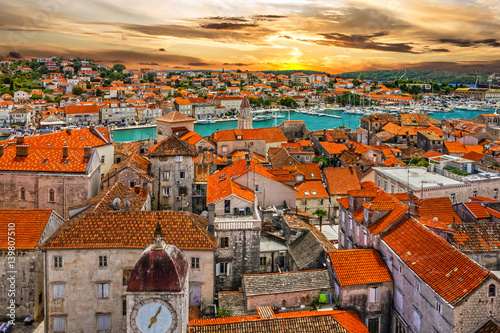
148,63
15,55
236,64
268,17
286,37
226,18
365,42
162,50
462,66
198,64
228,26
469,43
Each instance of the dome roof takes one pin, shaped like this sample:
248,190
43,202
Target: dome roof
161,267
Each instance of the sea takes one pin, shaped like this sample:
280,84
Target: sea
312,122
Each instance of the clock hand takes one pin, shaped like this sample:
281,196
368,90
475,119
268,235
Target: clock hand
153,319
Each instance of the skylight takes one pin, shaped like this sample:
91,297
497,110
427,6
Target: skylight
67,161
314,193
44,161
306,193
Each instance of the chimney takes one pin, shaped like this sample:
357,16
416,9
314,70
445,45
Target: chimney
65,151
68,130
20,140
229,160
22,150
137,189
87,150
200,155
1,150
211,156
211,218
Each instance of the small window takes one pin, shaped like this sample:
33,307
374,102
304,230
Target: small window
182,174
438,306
102,159
132,184
474,193
416,319
258,188
417,285
374,296
124,307
166,191
492,290
57,291
306,193
52,195
57,261
195,262
103,261
222,268
224,242
263,261
103,290
22,194
59,324
452,197
103,322
179,158
126,276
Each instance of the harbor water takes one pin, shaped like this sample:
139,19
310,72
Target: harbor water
312,122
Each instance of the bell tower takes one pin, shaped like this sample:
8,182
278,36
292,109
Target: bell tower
245,116
157,292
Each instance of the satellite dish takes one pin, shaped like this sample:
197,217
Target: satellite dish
126,203
204,214
117,201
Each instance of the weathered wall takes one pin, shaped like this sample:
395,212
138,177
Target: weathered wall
284,300
80,275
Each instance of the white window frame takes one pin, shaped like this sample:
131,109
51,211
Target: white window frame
102,261
57,261
103,322
179,158
166,175
438,305
417,319
58,291
166,191
103,290
374,295
222,268
59,324
195,262
418,286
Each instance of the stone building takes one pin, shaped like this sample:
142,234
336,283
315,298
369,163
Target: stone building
166,125
89,265
436,288
312,196
47,178
28,229
295,129
364,284
82,115
245,115
172,165
134,171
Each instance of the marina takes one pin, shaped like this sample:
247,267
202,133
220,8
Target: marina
320,120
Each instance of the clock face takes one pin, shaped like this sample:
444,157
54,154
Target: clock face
153,316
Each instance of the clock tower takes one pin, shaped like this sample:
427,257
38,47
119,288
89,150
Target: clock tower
157,292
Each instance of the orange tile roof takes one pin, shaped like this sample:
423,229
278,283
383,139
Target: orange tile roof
362,193
394,162
269,134
331,321
431,153
438,207
344,202
29,226
135,229
79,109
73,138
44,159
476,237
359,266
474,148
191,137
399,211
314,189
451,274
434,223
455,147
341,180
477,210
473,156
333,148
175,117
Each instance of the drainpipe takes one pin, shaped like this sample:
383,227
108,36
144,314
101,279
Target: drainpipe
45,291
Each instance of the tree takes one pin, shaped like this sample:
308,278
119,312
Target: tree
119,67
320,213
98,92
77,91
288,102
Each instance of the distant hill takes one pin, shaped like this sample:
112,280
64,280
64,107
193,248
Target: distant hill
419,75
289,72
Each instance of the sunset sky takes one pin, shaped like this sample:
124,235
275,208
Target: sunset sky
334,36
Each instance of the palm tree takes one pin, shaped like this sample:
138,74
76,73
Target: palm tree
320,213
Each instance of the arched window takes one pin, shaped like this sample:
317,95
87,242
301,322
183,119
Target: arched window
51,195
283,304
492,290
22,194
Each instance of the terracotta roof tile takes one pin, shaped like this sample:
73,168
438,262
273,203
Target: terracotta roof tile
269,134
175,117
313,188
388,219
359,266
477,210
135,229
172,146
341,180
447,271
438,207
476,237
29,226
333,148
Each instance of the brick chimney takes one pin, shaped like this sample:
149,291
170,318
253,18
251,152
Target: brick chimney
68,130
87,150
20,140
22,150
65,151
1,150
137,189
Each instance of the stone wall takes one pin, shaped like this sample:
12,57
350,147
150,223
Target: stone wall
284,301
294,130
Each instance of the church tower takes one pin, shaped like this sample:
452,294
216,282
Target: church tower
157,292
245,116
